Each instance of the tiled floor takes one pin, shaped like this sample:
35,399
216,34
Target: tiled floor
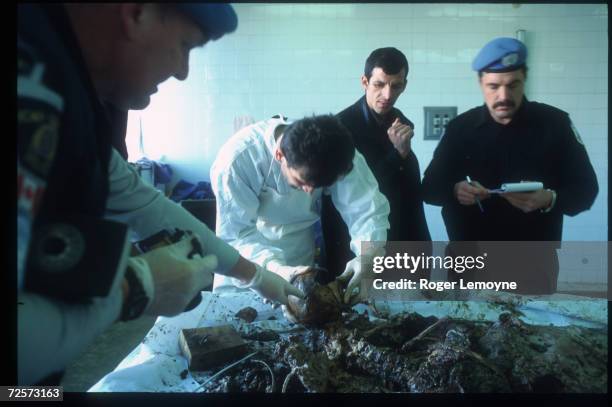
105,353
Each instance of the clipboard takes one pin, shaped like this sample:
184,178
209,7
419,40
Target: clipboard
518,187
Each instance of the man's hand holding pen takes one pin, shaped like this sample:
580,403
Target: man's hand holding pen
470,192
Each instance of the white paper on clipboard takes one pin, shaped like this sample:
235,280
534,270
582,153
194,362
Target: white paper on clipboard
518,187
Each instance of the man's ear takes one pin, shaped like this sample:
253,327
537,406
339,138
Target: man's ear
132,17
278,154
364,82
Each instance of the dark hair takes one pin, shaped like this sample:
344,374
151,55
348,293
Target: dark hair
523,68
390,59
321,147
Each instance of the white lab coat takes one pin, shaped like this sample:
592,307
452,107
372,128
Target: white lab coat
266,219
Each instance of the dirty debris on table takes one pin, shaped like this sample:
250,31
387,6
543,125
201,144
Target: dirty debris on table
335,349
247,314
412,353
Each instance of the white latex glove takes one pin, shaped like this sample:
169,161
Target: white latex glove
287,272
353,274
271,286
175,278
355,270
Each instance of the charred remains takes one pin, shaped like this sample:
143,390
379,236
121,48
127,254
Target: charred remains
322,303
410,353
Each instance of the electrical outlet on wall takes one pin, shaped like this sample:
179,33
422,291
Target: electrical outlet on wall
436,120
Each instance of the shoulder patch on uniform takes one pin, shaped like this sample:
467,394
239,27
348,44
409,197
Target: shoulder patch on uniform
576,134
38,128
39,109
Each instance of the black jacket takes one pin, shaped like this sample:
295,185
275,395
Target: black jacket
398,179
539,144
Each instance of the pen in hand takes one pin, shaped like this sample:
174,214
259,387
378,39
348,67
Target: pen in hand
467,178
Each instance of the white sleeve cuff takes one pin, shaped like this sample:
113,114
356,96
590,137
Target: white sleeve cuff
255,281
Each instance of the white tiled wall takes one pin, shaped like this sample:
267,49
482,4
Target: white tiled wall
301,59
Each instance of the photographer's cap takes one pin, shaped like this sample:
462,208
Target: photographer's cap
502,54
215,19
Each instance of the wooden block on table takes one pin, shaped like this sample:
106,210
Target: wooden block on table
206,348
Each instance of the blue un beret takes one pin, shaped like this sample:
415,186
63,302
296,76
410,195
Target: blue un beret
501,55
215,19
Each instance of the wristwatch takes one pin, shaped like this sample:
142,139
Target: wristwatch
552,202
137,299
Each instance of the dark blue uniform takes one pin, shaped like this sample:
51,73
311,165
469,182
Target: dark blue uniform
539,144
398,179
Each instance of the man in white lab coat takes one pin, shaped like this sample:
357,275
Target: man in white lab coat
268,180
